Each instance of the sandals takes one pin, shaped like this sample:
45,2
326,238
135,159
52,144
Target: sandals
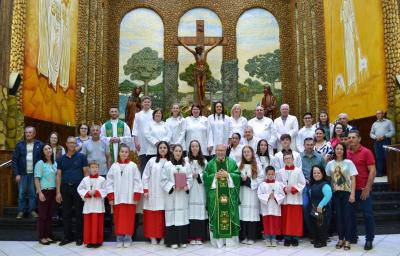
339,244
346,246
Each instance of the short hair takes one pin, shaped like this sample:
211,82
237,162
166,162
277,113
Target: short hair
236,106
116,107
42,155
30,127
269,168
307,114
285,136
285,105
146,98
238,134
195,106
71,137
287,153
155,112
344,135
357,132
248,128
93,162
308,139
88,128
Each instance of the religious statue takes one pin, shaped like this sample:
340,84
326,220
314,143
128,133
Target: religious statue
133,105
268,102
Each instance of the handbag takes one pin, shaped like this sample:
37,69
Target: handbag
318,216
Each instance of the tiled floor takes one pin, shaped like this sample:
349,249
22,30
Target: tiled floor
385,245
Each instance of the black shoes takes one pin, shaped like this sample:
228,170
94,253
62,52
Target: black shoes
64,242
79,242
295,243
368,245
286,243
319,245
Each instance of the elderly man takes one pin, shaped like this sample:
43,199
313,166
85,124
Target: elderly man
286,124
249,138
222,184
263,127
344,120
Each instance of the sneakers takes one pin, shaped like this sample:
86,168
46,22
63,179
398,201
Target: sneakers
183,245
20,215
174,246
193,242
274,243
287,242
244,241
120,244
153,241
34,215
127,244
199,242
268,243
161,242
250,242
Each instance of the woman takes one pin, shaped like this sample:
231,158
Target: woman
83,130
57,149
249,208
322,146
324,123
238,122
177,125
176,181
45,172
198,128
343,178
198,223
220,125
320,196
337,131
235,149
262,154
157,131
154,195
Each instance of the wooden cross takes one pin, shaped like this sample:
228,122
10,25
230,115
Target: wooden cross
199,39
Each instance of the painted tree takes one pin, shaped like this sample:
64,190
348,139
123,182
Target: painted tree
144,65
266,67
126,87
189,77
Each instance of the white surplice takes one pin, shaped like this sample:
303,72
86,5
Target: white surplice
294,178
176,203
278,160
264,161
197,194
236,153
156,132
177,125
151,180
290,126
221,130
305,132
198,128
140,127
92,204
126,138
271,206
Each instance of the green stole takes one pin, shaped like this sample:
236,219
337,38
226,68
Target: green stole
109,133
222,197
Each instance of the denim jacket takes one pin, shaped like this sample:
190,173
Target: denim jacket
19,156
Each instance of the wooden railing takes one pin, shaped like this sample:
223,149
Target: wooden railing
8,187
393,166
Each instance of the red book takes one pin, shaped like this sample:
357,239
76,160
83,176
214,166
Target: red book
180,180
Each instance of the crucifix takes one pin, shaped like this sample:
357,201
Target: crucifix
200,55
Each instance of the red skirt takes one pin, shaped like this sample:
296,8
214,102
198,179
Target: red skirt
154,223
292,220
124,219
272,225
93,228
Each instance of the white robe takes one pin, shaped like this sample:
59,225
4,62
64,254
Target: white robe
126,138
197,194
238,125
155,133
302,135
124,181
294,178
177,203
151,180
264,129
263,162
290,127
92,204
278,160
249,208
199,129
252,143
236,153
140,127
221,130
271,206
178,129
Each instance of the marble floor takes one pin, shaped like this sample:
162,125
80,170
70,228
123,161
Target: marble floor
385,245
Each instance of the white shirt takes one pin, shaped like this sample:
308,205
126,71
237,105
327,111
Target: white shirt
140,126
177,125
29,157
221,130
238,125
264,128
156,132
236,153
252,143
198,128
93,204
305,132
278,160
126,138
290,126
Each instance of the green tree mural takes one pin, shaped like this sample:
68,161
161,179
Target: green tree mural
266,67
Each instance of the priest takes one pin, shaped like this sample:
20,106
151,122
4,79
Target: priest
222,184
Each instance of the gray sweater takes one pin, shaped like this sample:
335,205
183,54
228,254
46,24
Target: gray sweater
382,128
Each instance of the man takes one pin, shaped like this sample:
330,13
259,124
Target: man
27,152
286,124
364,161
222,184
140,127
71,168
114,132
344,138
249,138
344,120
382,131
263,127
277,161
268,102
97,150
308,131
309,158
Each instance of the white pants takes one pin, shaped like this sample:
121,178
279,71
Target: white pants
220,242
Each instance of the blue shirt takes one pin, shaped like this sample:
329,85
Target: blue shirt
308,162
46,173
72,168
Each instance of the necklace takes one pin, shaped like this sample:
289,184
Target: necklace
122,168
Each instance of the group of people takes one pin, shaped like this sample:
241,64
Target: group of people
223,178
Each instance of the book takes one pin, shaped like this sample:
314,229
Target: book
180,180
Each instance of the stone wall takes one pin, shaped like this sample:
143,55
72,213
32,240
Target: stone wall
229,79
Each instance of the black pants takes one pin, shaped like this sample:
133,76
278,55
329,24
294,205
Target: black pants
71,199
320,232
249,230
176,235
198,229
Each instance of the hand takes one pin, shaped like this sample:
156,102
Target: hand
244,178
271,196
17,178
224,174
42,198
210,149
287,189
218,175
194,175
137,147
146,195
91,192
58,198
352,198
319,210
115,140
111,202
365,193
186,188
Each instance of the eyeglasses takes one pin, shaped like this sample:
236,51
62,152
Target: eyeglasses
286,150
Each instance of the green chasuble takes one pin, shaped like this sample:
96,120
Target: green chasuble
109,133
222,201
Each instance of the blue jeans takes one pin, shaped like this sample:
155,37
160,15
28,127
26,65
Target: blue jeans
26,194
368,214
306,209
380,155
344,218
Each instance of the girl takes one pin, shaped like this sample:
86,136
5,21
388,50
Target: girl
235,149
249,208
337,131
92,190
154,196
262,154
271,195
176,181
324,124
124,188
197,198
320,196
177,125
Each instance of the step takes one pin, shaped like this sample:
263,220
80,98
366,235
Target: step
380,186
385,196
381,216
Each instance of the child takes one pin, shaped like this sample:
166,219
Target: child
124,187
92,189
176,181
154,195
271,195
292,209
